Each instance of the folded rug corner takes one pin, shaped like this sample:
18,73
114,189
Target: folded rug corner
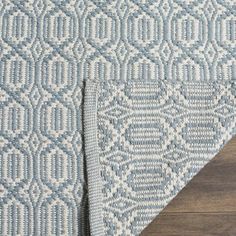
109,108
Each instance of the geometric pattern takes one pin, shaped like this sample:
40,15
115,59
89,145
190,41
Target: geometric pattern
49,48
153,138
41,161
157,40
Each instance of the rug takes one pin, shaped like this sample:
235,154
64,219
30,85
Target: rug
109,108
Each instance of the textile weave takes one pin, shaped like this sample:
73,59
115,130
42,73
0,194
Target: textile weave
108,108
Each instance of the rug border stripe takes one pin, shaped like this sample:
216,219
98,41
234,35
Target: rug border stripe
92,159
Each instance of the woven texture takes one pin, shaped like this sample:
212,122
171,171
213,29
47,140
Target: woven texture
108,108
153,138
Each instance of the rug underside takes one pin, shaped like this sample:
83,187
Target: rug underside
109,108
152,139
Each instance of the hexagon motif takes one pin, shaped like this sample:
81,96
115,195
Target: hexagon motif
57,167
151,94
17,74
58,74
188,30
59,27
57,119
200,94
15,166
145,134
201,132
15,119
101,29
18,27
144,29
159,177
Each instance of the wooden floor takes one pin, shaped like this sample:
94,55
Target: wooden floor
207,205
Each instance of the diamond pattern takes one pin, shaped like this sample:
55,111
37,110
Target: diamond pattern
159,147
122,204
165,68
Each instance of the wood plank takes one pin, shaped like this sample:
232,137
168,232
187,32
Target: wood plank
207,205
192,224
214,185
206,198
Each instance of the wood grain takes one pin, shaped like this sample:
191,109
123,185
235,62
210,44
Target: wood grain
207,205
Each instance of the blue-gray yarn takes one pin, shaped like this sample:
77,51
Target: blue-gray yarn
108,108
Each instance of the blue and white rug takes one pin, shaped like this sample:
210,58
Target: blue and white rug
109,108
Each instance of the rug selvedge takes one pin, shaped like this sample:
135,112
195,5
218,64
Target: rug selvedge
164,69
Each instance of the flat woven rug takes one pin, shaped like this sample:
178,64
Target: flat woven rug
109,108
